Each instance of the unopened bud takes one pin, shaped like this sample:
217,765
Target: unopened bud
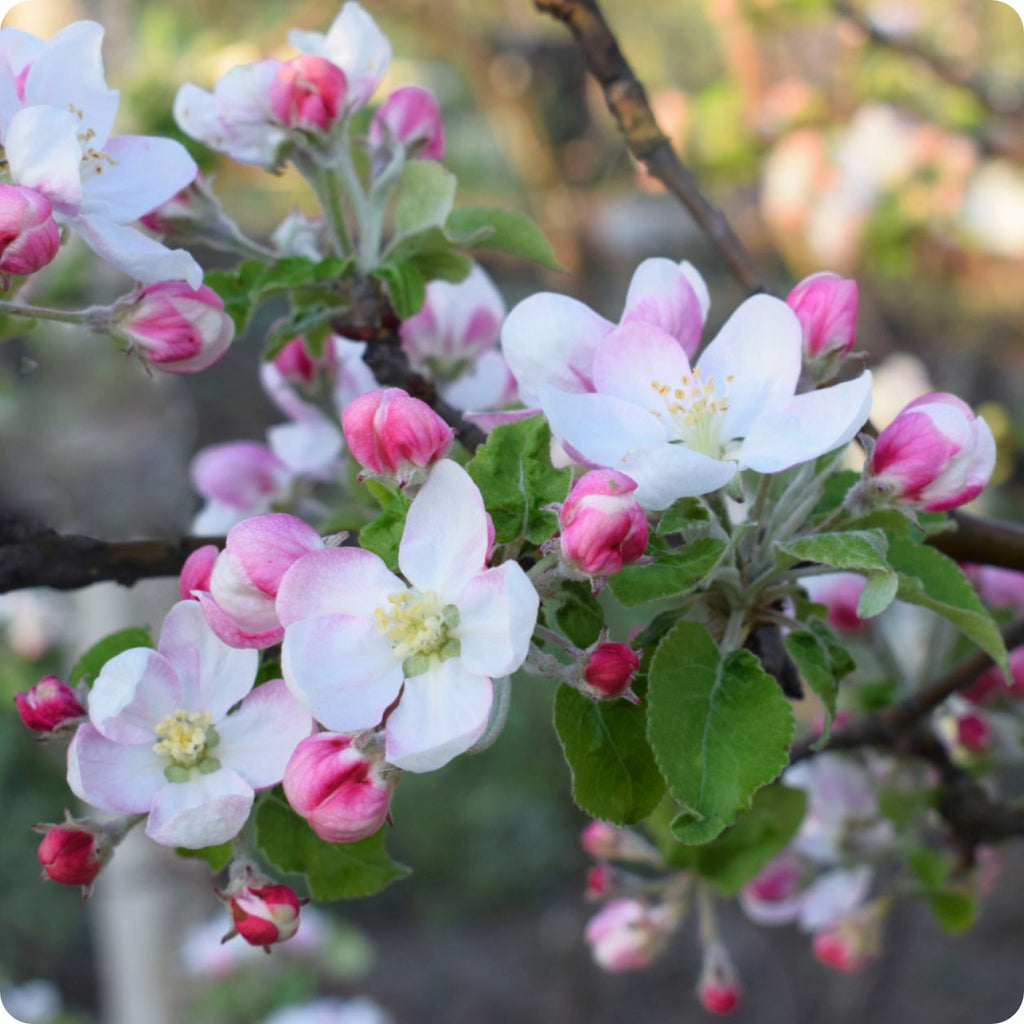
412,117
853,941
627,935
608,842
48,705
195,573
29,238
974,733
308,93
297,366
603,525
264,913
610,669
343,792
74,852
394,436
719,987
826,306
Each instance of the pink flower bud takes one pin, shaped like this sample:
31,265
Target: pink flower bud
826,306
773,896
627,935
393,435
48,705
607,842
973,732
264,914
992,683
410,116
341,791
602,879
175,328
29,238
195,573
603,525
996,586
934,456
247,574
610,669
187,210
839,592
308,93
297,366
718,988
853,941
72,854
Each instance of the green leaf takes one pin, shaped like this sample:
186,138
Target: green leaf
383,534
406,286
736,856
509,232
955,911
514,473
216,856
720,729
930,867
822,661
426,196
674,573
238,289
929,578
862,551
685,514
579,615
89,664
312,322
614,776
333,871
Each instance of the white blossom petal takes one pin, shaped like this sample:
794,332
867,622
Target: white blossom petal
497,614
44,152
137,255
134,691
118,777
633,358
442,713
664,294
204,811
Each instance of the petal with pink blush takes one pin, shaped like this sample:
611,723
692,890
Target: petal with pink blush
133,691
444,543
258,739
264,547
634,358
204,811
43,152
213,675
242,474
497,614
341,670
442,713
136,254
335,581
661,294
118,777
228,630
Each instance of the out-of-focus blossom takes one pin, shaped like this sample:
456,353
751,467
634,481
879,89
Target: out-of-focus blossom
997,587
180,734
852,942
308,93
609,842
434,644
993,210
719,985
411,117
628,935
839,592
361,1010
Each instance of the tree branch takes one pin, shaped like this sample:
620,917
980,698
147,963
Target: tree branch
627,101
982,540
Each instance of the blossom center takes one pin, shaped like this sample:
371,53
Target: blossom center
94,161
186,739
419,628
695,409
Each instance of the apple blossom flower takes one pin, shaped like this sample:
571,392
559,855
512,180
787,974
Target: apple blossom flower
246,575
55,126
341,788
308,93
839,592
834,895
393,435
356,45
719,986
775,894
609,671
680,432
431,648
602,524
29,238
628,935
166,739
973,733
48,705
411,117
934,456
853,941
551,339
174,327
826,306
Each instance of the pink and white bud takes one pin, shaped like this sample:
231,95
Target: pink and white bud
627,935
174,327
73,853
247,574
852,942
934,456
602,881
719,985
237,478
192,208
603,525
992,683
839,592
48,705
774,895
609,671
826,306
996,586
195,573
343,792
412,117
608,842
308,93
29,237
393,435
264,914
297,366
973,733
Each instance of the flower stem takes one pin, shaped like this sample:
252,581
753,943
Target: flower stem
62,316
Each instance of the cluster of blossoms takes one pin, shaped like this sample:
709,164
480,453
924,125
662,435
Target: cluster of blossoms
705,479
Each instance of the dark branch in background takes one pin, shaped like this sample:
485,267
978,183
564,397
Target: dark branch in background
627,101
986,541
938,65
33,555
